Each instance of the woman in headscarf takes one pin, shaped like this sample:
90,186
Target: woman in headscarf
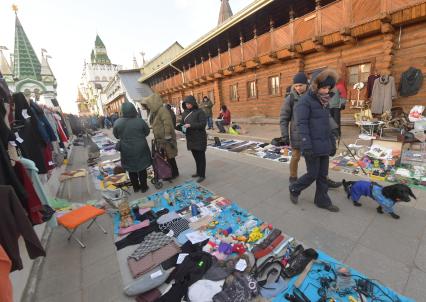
193,125
135,154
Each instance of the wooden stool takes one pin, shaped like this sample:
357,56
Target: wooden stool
66,177
72,220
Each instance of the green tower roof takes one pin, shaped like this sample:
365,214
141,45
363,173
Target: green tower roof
99,54
26,63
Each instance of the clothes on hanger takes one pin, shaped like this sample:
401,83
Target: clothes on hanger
384,91
411,81
13,224
370,83
5,284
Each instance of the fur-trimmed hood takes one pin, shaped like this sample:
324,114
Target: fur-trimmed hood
321,76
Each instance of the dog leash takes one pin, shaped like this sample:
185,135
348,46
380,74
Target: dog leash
350,152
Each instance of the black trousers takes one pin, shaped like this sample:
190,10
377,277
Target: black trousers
317,170
175,170
200,161
335,114
138,179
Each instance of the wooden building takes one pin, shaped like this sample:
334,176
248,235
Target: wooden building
248,61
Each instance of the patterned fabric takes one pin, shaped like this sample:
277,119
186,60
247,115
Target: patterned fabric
72,174
177,225
152,242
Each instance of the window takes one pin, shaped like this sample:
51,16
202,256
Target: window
234,92
274,85
359,73
252,89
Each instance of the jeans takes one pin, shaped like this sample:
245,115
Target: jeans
317,170
220,125
335,114
200,162
138,179
294,162
209,122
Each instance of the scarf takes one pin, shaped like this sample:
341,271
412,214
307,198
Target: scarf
324,99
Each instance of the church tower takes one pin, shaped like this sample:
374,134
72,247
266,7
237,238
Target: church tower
225,11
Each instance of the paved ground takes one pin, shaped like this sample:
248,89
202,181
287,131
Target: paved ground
385,249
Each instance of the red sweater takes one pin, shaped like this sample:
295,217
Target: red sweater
226,116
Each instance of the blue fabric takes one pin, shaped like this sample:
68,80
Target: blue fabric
386,203
311,283
313,124
360,188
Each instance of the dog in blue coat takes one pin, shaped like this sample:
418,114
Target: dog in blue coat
386,197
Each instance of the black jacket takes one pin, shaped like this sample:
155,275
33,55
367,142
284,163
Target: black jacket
196,135
411,81
287,117
313,124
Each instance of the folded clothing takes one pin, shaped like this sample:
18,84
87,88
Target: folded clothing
152,242
137,236
177,225
243,288
152,259
167,217
149,296
132,228
148,281
204,290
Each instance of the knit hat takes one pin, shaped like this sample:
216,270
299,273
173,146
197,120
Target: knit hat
300,78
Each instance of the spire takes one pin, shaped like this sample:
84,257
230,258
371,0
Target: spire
225,11
4,65
135,63
99,54
46,72
26,63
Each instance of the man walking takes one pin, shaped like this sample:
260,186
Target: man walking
317,141
287,117
207,105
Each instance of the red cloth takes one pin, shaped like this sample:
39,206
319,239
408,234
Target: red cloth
226,116
61,133
5,284
341,87
33,205
48,158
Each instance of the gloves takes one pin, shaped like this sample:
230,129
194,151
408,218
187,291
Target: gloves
308,153
333,152
342,107
285,140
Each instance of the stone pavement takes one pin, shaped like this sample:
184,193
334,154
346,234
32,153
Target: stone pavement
391,251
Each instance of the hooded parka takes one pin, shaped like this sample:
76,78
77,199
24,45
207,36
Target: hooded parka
132,132
162,126
196,135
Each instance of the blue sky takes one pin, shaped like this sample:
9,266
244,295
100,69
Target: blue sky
67,30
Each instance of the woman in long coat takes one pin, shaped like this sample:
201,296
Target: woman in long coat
135,154
163,129
193,125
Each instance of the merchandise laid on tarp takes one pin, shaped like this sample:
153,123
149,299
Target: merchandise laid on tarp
187,243
262,150
33,142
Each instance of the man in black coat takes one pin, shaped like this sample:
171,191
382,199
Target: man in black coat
317,140
193,125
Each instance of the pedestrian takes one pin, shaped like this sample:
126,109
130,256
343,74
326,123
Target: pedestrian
224,119
163,129
172,113
290,135
108,123
317,141
207,106
338,103
135,153
193,125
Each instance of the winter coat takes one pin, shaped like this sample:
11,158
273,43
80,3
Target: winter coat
132,132
207,106
384,91
313,120
226,117
196,135
162,126
287,117
411,81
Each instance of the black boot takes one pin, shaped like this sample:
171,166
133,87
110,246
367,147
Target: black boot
333,184
292,180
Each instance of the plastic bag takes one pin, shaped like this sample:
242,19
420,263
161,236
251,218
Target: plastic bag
416,113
